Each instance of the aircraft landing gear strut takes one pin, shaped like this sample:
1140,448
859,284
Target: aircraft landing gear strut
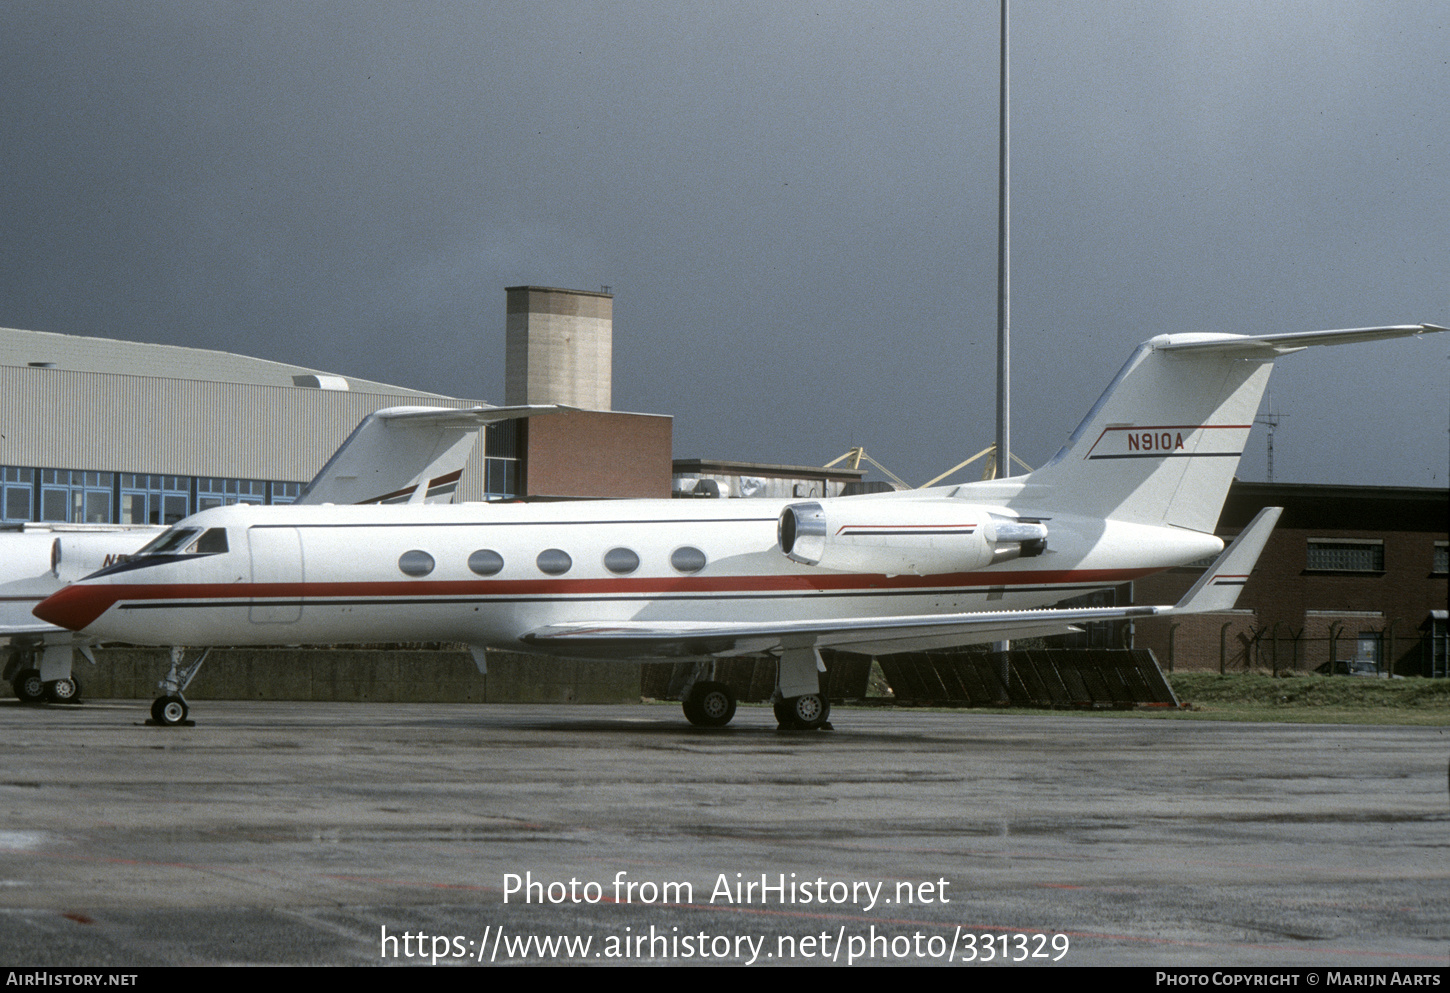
170,709
800,704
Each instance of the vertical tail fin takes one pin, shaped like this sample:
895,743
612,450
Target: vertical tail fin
407,454
1163,442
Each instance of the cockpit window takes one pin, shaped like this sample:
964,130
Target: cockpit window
184,541
169,541
212,540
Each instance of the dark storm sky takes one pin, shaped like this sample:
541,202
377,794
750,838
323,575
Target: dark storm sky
795,203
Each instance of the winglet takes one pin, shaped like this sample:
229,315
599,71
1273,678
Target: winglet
1219,587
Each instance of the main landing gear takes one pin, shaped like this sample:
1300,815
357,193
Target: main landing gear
28,686
170,709
67,690
709,705
803,713
800,704
31,686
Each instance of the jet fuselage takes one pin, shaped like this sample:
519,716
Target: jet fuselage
490,574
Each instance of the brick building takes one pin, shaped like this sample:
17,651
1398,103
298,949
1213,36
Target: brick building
1353,574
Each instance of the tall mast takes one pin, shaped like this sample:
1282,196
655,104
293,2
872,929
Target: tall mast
1004,275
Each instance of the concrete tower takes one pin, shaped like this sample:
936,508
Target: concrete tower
559,347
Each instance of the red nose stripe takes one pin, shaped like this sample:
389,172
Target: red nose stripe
76,606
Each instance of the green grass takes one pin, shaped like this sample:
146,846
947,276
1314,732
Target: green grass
1311,698
1300,698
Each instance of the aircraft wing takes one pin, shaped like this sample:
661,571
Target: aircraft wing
408,454
1216,590
33,627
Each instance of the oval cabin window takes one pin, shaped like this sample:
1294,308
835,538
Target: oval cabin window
621,561
688,559
416,563
554,561
486,562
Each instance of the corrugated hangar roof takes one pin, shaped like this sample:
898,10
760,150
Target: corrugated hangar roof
75,353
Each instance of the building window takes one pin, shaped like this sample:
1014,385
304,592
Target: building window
75,497
153,499
212,492
1345,555
1440,564
72,496
17,492
286,492
501,460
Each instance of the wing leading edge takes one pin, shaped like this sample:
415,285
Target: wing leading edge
1217,590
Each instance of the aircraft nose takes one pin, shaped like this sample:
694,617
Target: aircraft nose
74,607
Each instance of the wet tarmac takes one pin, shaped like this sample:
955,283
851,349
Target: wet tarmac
356,834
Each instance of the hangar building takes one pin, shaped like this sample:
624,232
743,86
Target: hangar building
99,431
117,432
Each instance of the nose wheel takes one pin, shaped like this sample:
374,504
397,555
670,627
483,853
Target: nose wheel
169,711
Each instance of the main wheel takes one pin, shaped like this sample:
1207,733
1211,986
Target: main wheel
169,710
805,713
710,705
29,687
66,690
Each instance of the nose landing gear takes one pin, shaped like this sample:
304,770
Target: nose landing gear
170,709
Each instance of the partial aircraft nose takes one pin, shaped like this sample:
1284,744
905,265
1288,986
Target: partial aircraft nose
76,606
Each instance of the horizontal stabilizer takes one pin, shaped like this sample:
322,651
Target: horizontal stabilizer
1270,345
1219,586
466,417
1162,444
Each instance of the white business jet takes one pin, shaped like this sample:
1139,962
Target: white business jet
396,455
1137,489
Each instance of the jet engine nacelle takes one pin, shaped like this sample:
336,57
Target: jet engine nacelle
76,554
917,537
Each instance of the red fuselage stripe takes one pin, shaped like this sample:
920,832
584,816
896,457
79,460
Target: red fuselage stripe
78,605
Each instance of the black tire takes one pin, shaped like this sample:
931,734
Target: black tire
692,710
66,690
169,710
710,705
803,713
782,713
29,687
